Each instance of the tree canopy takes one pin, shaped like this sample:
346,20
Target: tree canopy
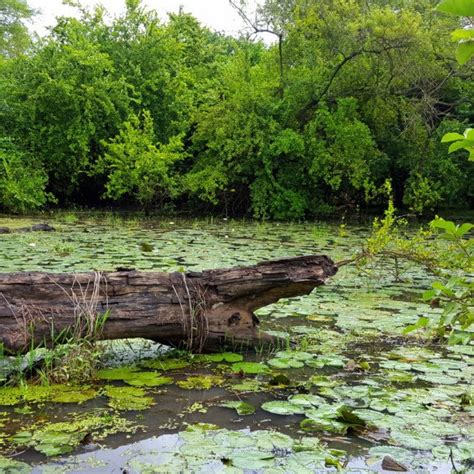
139,111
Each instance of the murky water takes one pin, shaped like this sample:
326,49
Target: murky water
376,391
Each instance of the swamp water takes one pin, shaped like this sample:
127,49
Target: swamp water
353,390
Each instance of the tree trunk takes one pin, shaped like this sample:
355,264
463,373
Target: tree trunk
197,310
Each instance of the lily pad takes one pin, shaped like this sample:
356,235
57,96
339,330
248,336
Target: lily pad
283,408
248,385
148,379
119,373
128,398
242,408
281,363
250,367
306,400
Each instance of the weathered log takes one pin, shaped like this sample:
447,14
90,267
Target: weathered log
198,310
33,228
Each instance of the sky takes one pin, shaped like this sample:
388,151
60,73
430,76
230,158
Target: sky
216,14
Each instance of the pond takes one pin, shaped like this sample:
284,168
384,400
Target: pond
350,393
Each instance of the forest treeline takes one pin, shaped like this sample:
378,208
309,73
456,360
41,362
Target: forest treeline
170,115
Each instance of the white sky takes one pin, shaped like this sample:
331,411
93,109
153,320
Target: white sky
216,14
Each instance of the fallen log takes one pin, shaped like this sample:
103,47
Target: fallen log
33,228
197,310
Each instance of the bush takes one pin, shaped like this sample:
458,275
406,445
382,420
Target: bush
22,185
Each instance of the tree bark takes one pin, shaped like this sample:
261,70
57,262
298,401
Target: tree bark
197,310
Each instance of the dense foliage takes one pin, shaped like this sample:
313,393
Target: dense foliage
152,113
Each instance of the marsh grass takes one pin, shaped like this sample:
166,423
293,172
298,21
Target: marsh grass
70,355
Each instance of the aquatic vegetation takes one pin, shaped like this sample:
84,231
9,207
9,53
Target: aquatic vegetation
128,398
164,365
52,439
215,450
283,408
10,466
200,382
242,408
148,379
119,373
250,367
132,376
221,357
349,367
248,385
41,393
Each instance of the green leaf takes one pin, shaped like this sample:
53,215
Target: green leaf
457,7
464,52
464,228
462,34
451,137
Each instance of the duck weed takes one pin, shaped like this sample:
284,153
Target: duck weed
53,439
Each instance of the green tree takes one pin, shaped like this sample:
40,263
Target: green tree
138,167
22,184
14,36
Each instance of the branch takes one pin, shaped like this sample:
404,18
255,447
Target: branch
313,103
254,25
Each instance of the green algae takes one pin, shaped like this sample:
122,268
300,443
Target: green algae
148,379
53,439
200,382
10,466
128,398
10,396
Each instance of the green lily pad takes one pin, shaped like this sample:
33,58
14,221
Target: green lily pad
298,355
415,439
230,357
252,460
442,379
74,395
119,373
128,398
322,424
242,408
466,350
281,363
306,400
283,408
250,367
248,385
147,379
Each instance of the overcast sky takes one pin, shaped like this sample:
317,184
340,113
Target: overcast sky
216,14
